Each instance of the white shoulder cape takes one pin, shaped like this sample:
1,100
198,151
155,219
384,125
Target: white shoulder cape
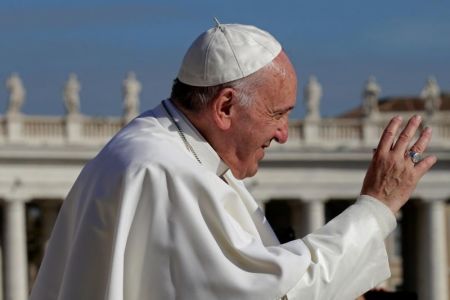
145,220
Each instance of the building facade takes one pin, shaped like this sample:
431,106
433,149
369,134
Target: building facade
301,184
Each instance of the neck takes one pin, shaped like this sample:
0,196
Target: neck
193,117
204,123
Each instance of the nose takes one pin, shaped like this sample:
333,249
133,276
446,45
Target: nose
281,135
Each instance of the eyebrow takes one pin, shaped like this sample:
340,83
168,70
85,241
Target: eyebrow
285,110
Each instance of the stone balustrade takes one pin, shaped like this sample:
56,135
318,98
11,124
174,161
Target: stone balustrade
39,164
330,133
53,130
314,131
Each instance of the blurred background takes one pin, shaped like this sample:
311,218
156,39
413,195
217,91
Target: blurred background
342,43
66,88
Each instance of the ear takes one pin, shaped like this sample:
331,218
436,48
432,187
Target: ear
222,107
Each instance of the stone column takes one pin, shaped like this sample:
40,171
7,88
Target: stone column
74,128
14,126
370,131
15,250
311,132
432,256
307,216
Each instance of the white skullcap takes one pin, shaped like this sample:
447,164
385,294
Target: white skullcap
227,52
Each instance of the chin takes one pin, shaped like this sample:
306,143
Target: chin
245,173
246,168
252,173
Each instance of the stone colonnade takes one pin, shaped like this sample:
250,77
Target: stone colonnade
307,216
430,270
15,260
15,271
430,278
432,257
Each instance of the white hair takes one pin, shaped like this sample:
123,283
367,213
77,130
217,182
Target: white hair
196,98
247,86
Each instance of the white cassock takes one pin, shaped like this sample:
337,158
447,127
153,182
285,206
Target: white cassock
146,220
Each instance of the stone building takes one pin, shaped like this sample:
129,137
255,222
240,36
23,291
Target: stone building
301,184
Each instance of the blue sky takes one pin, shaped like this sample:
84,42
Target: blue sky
401,43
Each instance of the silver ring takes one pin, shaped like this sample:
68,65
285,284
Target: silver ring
416,157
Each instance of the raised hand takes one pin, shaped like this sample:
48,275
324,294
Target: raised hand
392,175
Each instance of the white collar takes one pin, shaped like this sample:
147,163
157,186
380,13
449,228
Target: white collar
207,155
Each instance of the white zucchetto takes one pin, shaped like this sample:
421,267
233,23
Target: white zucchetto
227,52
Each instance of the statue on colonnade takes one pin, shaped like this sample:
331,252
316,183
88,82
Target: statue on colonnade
312,95
131,88
431,94
17,94
370,97
72,95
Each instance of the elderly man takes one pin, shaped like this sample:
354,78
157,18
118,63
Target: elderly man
161,213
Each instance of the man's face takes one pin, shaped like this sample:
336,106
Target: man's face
266,119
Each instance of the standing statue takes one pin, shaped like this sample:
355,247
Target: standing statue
131,88
370,97
312,95
16,94
72,95
431,94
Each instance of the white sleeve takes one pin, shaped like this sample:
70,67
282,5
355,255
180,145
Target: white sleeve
348,255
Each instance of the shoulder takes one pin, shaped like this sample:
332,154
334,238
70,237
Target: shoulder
146,143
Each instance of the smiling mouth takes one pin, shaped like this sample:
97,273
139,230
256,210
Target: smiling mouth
267,144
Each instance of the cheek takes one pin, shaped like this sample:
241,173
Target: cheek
259,154
252,152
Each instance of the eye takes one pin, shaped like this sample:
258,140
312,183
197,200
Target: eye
279,115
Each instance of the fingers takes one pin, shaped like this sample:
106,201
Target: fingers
424,165
422,143
405,137
407,134
393,173
389,134
420,146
